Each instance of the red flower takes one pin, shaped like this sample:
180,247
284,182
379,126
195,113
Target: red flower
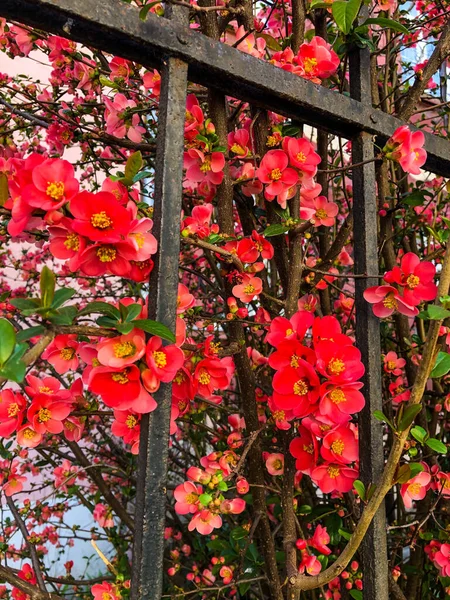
12,408
99,217
65,244
338,402
294,328
393,364
406,148
53,184
122,351
45,414
201,166
187,497
205,522
163,361
296,388
274,172
288,354
340,445
333,477
248,289
126,425
339,364
316,60
415,277
386,300
211,374
28,437
249,249
105,258
118,388
62,353
105,591
304,449
301,155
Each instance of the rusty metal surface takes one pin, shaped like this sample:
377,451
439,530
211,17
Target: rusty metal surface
148,548
373,549
115,27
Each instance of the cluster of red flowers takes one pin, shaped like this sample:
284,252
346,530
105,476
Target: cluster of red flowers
406,148
202,496
97,233
317,380
415,284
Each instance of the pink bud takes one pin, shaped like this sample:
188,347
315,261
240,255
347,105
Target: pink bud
354,565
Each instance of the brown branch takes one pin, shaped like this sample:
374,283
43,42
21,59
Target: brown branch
440,53
32,550
97,477
33,592
228,256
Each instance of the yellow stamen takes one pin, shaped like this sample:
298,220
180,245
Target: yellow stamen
124,349
72,242
101,220
337,396
55,190
301,388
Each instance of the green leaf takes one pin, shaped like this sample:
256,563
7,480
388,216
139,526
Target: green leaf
419,434
64,316
403,474
205,499
275,229
441,366
134,310
436,446
360,488
124,328
345,534
239,533
107,322
356,594
243,588
26,334
4,192
25,303
387,23
7,340
434,313
134,165
415,469
222,486
14,370
380,416
345,13
108,83
318,4
416,198
103,308
143,175
155,328
408,416
47,284
270,42
62,296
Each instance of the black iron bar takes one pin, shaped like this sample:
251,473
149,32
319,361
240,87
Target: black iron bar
151,493
115,27
373,549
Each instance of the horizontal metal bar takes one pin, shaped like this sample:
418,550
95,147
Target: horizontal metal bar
115,27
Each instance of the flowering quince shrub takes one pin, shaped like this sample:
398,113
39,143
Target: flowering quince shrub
267,377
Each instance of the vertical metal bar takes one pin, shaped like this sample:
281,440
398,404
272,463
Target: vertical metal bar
373,549
148,549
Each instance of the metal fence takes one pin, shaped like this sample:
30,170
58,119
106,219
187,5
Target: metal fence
181,55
